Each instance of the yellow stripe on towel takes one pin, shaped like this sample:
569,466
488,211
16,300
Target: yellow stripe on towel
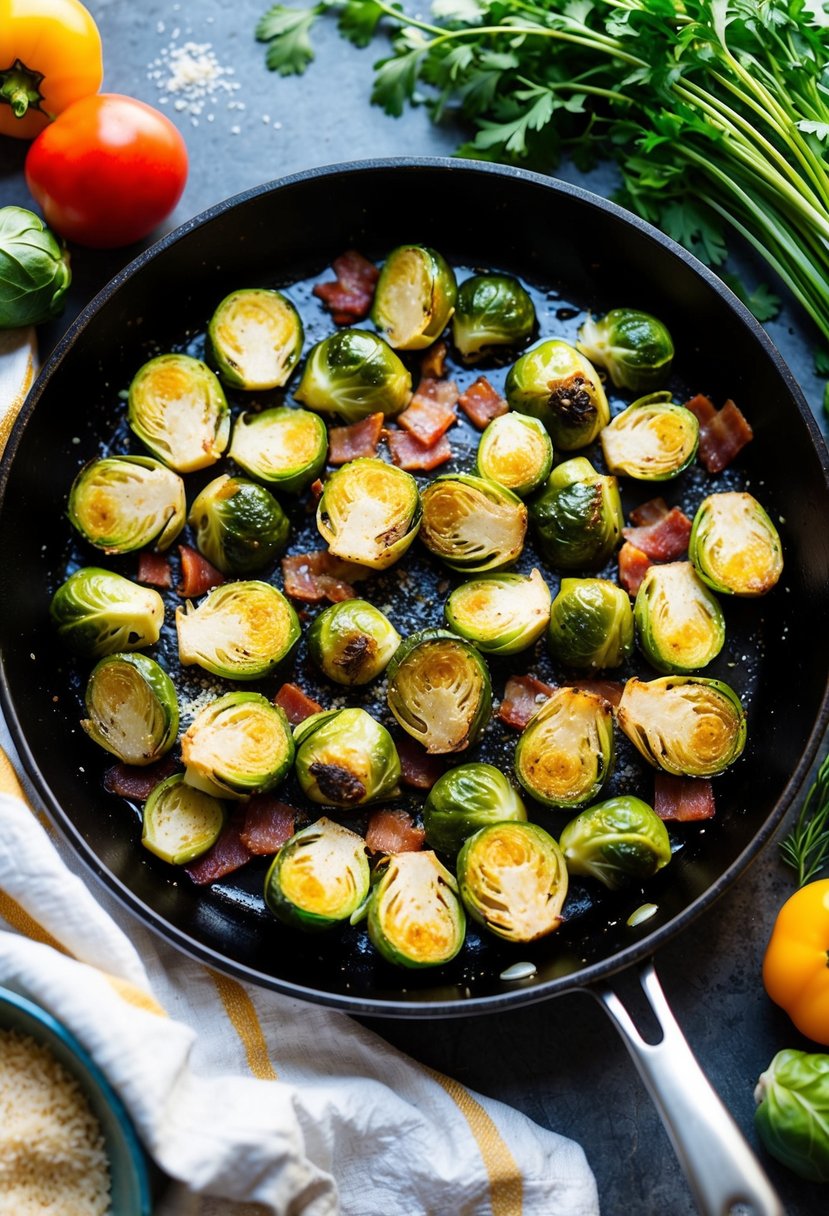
18,352
20,920
133,995
9,783
240,1009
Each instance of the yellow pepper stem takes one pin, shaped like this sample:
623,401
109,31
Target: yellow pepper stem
20,88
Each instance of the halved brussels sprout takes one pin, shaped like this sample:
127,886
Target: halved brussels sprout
369,512
285,447
467,798
354,373
255,339
176,406
735,546
439,690
97,612
238,745
687,725
415,918
493,311
472,523
565,753
345,758
619,841
513,880
500,613
578,516
319,877
634,347
414,298
516,451
352,642
679,623
180,823
131,707
652,440
241,631
591,624
240,527
555,383
122,503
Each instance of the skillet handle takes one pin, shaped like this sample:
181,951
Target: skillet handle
722,1171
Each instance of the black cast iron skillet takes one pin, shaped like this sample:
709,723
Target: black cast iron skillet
579,251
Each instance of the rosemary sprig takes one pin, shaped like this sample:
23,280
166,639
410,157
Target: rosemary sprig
806,848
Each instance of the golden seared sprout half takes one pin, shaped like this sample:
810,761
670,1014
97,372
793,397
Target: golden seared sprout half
577,516
319,878
240,527
238,745
652,440
354,373
686,725
734,545
516,451
369,512
635,347
472,523
500,613
591,624
679,624
556,384
131,708
285,447
565,753
493,313
241,630
255,339
345,758
352,642
619,842
122,503
513,880
439,690
177,407
414,297
415,918
98,612
179,822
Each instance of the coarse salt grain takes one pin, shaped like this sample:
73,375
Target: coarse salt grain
191,77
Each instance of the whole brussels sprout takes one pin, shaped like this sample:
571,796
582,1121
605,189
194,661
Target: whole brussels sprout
556,384
352,642
285,447
354,373
577,516
177,408
131,708
679,623
467,798
686,725
414,297
439,690
97,612
240,527
500,613
369,512
493,311
415,918
345,758
241,630
652,440
179,822
634,347
619,841
513,880
122,503
238,745
591,624
516,451
34,270
565,753
792,1115
255,339
472,523
735,546
319,877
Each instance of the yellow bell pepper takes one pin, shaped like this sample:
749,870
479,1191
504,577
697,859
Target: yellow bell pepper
50,56
796,965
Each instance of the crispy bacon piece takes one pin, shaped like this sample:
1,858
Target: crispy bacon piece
229,853
297,705
268,824
433,363
418,768
481,403
138,782
359,439
350,296
650,512
431,411
523,695
409,453
154,570
610,690
316,488
197,574
683,799
722,433
393,832
665,541
633,566
316,576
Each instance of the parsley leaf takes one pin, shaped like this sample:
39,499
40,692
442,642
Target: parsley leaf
288,32
762,302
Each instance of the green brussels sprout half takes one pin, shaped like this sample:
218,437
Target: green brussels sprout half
285,447
619,841
500,613
97,612
369,512
238,745
34,269
354,373
255,339
556,384
467,798
180,823
493,311
591,624
735,546
240,527
352,642
439,690
652,440
345,758
513,880
241,631
516,451
131,708
634,347
176,407
578,516
122,503
414,298
319,877
415,918
686,725
679,623
792,1115
472,523
565,753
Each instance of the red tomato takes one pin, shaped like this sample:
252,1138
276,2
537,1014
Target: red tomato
107,171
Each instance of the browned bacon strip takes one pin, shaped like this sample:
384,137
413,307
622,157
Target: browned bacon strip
633,566
350,296
481,403
418,768
393,832
297,705
137,783
523,695
683,799
433,363
409,453
197,574
723,438
316,576
431,411
702,408
154,570
664,541
229,853
650,512
268,824
360,439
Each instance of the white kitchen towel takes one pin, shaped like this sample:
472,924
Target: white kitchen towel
18,357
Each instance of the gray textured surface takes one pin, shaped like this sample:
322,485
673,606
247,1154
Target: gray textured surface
560,1062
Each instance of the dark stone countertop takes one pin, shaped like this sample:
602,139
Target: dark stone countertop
560,1062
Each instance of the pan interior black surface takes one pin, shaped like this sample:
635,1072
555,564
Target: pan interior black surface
577,253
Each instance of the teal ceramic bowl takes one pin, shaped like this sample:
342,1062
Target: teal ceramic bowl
127,1164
